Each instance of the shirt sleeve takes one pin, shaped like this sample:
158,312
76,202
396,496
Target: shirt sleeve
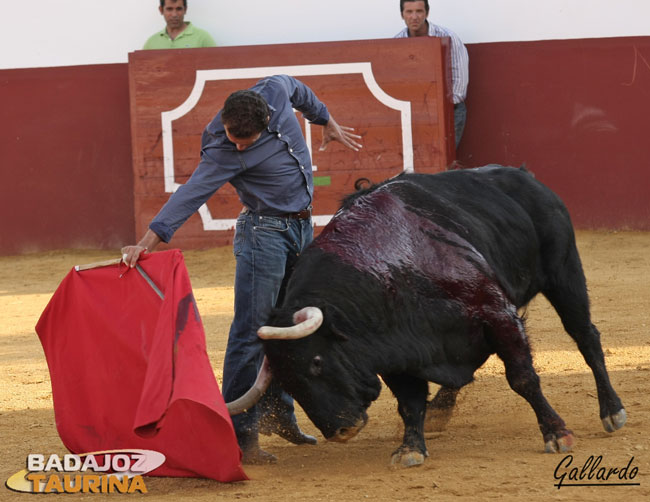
304,100
207,40
207,178
459,67
459,61
149,44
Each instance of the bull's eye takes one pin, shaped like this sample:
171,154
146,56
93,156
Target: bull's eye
316,365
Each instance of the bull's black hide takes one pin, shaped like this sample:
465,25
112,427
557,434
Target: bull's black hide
419,279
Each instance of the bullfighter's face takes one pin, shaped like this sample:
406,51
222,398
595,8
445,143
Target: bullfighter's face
326,377
242,143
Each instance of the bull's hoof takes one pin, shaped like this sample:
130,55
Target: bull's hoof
616,421
437,419
562,444
407,458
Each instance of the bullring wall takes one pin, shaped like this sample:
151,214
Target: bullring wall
65,158
574,111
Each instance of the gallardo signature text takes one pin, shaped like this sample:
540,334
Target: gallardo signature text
592,473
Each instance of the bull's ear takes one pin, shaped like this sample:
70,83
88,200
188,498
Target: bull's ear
338,333
334,318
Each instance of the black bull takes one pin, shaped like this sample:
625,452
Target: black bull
418,280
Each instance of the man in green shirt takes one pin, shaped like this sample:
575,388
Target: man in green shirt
178,34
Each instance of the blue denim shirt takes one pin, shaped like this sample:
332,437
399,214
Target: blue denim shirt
272,176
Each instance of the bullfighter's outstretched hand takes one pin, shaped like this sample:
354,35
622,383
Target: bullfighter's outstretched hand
332,131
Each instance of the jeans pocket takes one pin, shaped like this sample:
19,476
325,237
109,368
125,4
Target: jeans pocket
240,236
270,234
271,223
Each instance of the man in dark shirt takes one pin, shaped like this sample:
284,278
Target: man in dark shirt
255,143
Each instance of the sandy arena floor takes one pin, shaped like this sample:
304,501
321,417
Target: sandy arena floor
492,448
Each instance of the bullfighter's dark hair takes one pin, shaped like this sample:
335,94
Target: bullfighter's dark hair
245,113
162,4
402,2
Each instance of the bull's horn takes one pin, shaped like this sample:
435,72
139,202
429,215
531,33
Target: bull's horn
306,321
253,394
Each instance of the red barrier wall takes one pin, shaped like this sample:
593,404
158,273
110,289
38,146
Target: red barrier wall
65,158
573,110
576,112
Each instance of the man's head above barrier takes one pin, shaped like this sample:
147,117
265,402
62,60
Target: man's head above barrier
415,13
402,2
162,3
245,115
174,13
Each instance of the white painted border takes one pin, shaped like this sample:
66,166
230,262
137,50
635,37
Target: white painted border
203,76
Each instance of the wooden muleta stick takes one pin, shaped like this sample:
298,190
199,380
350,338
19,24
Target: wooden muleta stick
117,261
98,264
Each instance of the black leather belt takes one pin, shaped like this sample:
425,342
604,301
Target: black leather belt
305,214
300,215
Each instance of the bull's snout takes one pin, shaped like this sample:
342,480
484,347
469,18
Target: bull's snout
346,433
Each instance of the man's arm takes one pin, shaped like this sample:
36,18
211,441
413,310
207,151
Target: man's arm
459,67
183,203
303,98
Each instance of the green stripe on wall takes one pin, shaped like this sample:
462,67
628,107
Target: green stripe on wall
322,181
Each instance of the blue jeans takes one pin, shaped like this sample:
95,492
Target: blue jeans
460,117
265,248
